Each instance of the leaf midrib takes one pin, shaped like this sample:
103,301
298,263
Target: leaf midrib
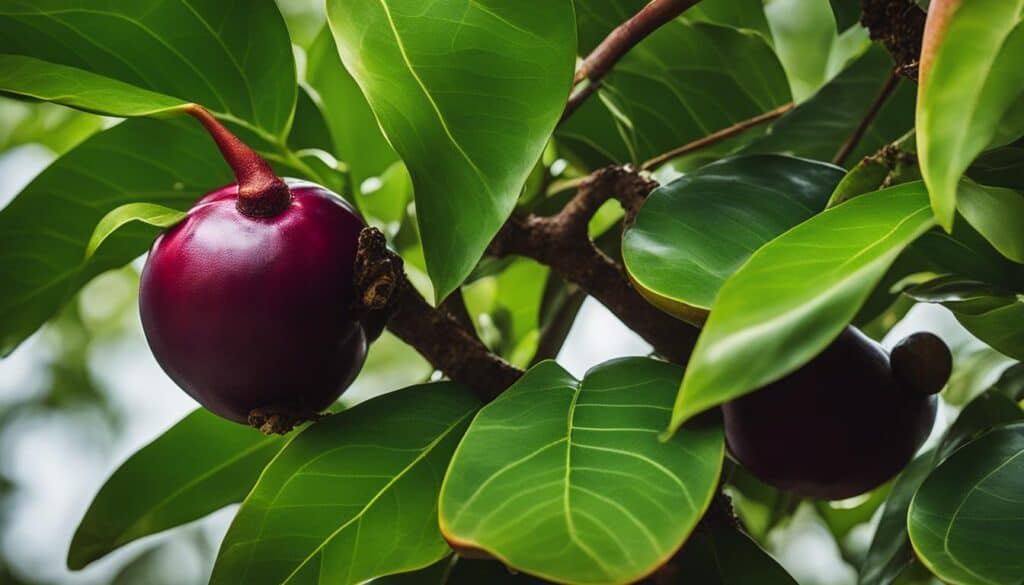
400,44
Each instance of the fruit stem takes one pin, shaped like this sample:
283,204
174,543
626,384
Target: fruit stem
261,193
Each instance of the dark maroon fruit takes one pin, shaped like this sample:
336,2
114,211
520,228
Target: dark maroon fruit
837,427
246,302
923,362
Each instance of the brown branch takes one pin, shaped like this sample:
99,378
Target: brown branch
455,305
618,42
869,117
385,294
561,242
899,25
718,136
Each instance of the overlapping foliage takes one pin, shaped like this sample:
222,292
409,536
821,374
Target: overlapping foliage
440,118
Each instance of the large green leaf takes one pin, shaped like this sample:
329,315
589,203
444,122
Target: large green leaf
846,12
468,93
890,551
970,77
991,313
567,480
694,232
352,497
805,38
1001,167
684,81
722,555
796,294
997,213
967,255
200,465
818,127
310,130
966,519
232,56
45,230
745,14
358,139
31,77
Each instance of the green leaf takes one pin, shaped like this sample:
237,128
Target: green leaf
818,127
567,480
511,301
694,232
200,465
724,556
79,89
232,56
989,312
385,204
967,255
846,12
970,77
966,519
804,33
57,128
651,102
45,231
357,137
744,14
890,551
843,516
890,165
157,216
997,213
796,294
352,497
1001,167
758,506
309,128
468,93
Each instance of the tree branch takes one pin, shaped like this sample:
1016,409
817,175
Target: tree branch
618,42
560,242
386,295
869,117
718,136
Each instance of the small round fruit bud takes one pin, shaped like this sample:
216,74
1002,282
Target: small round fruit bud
922,362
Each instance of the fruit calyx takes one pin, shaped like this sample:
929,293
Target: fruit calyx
261,193
279,421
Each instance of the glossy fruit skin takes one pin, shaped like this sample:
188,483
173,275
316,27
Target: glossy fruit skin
837,427
254,312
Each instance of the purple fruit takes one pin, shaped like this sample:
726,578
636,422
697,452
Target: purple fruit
842,424
246,302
